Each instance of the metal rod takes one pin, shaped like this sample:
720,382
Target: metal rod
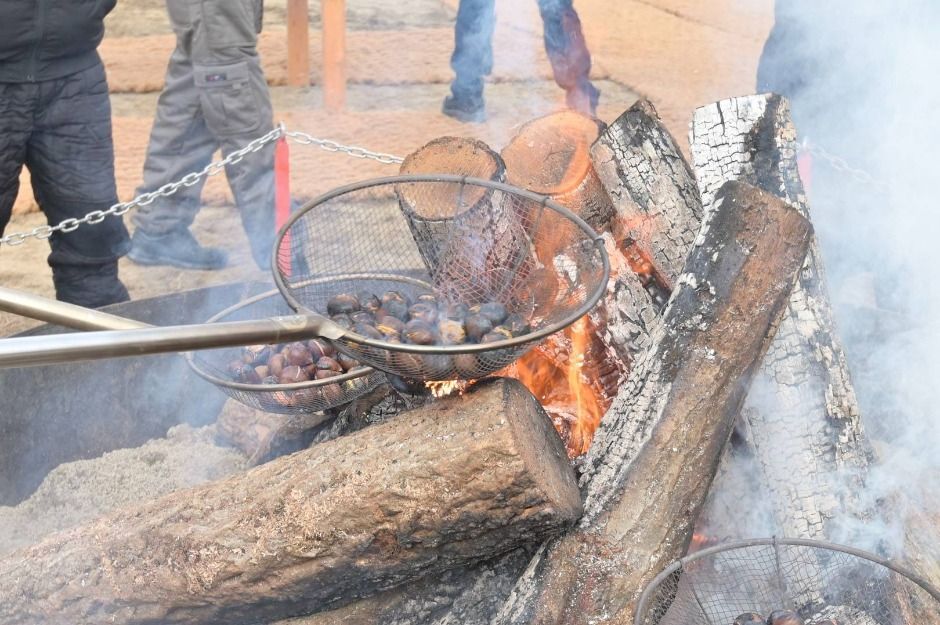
64,348
62,314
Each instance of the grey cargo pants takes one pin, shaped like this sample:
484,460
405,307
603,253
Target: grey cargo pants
215,97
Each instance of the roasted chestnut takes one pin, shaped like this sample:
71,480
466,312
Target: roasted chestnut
311,370
344,303
436,366
262,371
276,364
493,337
292,375
329,364
452,332
517,325
319,348
419,332
298,355
347,362
394,308
427,298
234,368
323,374
749,618
248,375
270,380
424,311
256,354
390,326
368,331
477,325
342,321
494,311
504,331
363,316
784,617
369,302
457,312
467,365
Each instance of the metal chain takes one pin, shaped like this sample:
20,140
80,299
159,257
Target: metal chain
212,169
839,164
350,150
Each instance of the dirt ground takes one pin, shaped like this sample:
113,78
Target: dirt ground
678,53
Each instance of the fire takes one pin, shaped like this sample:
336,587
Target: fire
564,377
447,388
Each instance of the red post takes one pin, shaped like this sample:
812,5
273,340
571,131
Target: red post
282,200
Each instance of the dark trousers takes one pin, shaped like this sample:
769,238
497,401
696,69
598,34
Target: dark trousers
61,131
473,51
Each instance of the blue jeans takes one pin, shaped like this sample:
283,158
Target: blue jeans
473,51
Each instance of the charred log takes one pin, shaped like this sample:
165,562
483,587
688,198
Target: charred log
658,447
443,486
801,419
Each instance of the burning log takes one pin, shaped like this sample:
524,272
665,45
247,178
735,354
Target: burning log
443,486
801,419
652,188
658,447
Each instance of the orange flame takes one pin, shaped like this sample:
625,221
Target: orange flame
447,388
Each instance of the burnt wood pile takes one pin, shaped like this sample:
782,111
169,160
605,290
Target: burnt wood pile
466,509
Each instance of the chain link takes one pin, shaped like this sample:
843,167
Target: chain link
193,178
841,165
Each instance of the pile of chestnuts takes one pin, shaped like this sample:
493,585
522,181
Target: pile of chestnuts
778,617
427,320
291,363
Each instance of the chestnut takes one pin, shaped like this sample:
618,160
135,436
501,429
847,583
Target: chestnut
248,375
331,393
344,303
298,355
492,337
394,308
784,617
347,362
319,348
517,325
452,332
323,374
457,312
270,380
311,370
494,311
419,332
292,375
369,302
467,365
427,298
328,364
749,618
411,365
368,331
424,311
234,368
363,316
504,331
394,296
262,371
477,325
436,366
390,326
256,354
342,321
276,364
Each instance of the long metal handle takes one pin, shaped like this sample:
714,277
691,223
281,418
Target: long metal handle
62,348
62,314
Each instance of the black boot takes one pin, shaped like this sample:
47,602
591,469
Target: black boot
177,248
91,286
465,109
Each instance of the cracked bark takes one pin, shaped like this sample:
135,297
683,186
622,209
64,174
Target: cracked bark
801,419
658,448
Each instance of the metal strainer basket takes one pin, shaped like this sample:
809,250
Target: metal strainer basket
467,242
817,580
297,398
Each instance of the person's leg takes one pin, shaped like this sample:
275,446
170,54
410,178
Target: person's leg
180,144
472,59
16,119
70,157
236,105
568,53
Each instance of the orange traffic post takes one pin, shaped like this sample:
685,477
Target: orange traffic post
298,43
334,54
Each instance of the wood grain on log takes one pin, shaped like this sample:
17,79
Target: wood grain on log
455,482
650,467
801,418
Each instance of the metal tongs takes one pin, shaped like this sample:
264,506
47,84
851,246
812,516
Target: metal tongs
112,336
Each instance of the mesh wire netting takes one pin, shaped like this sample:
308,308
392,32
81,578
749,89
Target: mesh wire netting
218,366
817,581
458,242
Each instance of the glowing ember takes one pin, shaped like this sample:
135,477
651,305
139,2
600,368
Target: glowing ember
447,388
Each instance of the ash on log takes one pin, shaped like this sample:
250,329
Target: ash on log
658,447
801,419
449,484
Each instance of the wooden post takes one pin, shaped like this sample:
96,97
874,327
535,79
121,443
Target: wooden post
298,43
334,54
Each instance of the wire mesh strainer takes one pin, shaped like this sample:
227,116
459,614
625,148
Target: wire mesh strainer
459,242
817,580
300,397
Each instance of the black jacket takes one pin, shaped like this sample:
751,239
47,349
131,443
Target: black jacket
48,39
